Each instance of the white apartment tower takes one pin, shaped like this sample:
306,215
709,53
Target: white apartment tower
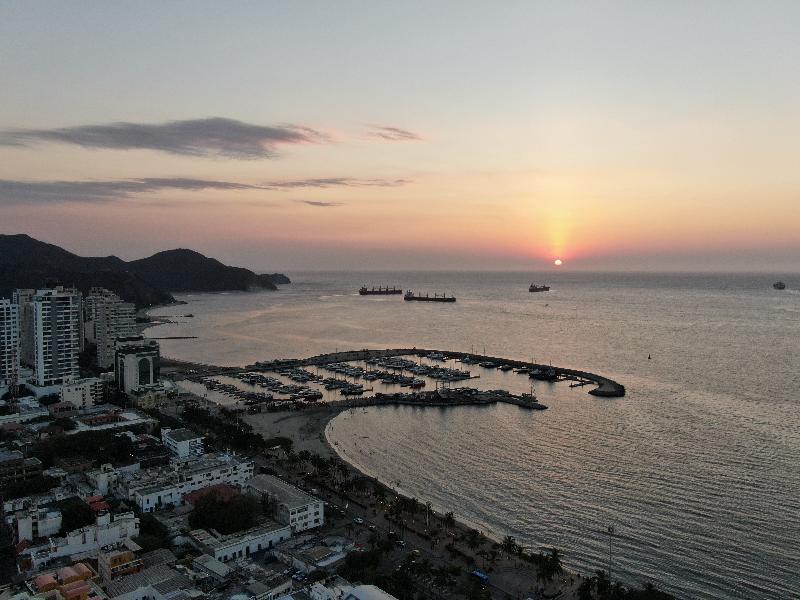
106,318
9,343
57,335
23,299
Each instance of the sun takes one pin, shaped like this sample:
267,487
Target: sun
557,262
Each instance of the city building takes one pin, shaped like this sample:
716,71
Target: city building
15,467
107,318
159,582
34,522
56,335
212,567
183,443
72,582
296,508
23,298
117,562
107,530
26,409
242,543
9,343
136,363
166,487
108,417
83,393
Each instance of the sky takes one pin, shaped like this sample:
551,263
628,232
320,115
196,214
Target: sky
407,135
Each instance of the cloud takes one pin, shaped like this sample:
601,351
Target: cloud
52,192
320,203
91,191
329,182
215,136
392,134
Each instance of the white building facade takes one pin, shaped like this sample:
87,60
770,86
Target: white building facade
108,530
243,543
183,443
83,393
9,343
106,318
23,298
296,508
57,335
166,487
137,363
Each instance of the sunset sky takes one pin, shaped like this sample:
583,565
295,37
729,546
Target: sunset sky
419,135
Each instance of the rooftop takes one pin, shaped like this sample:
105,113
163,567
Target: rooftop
285,492
182,435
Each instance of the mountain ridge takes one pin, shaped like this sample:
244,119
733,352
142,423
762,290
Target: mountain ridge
26,262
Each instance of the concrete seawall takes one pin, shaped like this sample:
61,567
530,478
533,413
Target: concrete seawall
606,388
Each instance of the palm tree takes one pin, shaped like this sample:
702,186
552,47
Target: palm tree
449,521
509,545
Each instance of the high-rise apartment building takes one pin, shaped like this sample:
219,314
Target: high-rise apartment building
9,343
106,318
137,363
57,335
24,299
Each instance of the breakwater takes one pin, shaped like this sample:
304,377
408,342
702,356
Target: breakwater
606,387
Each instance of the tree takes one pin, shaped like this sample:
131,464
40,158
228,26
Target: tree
75,513
152,533
212,511
509,545
449,521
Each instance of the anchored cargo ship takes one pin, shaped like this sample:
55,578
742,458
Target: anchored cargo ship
539,288
427,298
379,291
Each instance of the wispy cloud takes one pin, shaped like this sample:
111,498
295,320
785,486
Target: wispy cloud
52,192
320,203
329,182
392,134
91,191
215,136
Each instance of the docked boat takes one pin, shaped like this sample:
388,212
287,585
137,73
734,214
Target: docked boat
379,291
538,288
428,298
543,374
779,285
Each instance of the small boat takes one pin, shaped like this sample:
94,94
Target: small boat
779,285
505,367
427,298
538,288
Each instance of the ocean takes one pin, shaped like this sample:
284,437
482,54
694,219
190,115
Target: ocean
697,468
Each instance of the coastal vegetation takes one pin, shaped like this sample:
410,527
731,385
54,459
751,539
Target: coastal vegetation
600,587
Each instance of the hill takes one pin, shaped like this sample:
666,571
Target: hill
29,263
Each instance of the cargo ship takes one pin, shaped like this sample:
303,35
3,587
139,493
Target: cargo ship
379,291
427,298
539,288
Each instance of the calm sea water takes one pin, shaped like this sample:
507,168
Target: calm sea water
697,468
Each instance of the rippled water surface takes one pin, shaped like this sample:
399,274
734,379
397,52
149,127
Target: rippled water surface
698,467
